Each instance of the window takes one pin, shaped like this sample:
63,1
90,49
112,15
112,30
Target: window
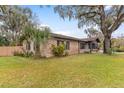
93,46
82,45
67,45
59,42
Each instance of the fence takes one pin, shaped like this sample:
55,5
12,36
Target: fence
9,50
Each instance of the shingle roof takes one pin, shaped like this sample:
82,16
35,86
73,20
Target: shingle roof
91,39
73,38
63,36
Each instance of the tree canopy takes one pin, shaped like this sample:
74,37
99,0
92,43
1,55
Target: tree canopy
4,41
93,32
14,19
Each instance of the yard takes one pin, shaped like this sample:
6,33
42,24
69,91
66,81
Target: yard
83,70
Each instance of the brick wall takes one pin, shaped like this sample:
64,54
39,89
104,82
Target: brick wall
74,47
9,50
46,49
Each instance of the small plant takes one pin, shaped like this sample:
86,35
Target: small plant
58,50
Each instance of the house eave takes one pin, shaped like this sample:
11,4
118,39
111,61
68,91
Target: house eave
59,36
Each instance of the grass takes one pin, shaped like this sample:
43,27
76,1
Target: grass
84,70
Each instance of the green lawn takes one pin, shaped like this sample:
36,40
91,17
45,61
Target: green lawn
84,70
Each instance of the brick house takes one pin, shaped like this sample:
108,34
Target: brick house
73,45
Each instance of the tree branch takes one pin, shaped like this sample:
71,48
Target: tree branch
118,20
102,18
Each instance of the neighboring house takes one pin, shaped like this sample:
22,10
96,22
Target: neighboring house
73,45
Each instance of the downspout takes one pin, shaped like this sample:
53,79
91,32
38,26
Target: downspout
78,47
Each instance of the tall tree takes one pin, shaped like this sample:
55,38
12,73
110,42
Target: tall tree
107,18
14,19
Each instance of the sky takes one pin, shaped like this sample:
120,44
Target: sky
47,16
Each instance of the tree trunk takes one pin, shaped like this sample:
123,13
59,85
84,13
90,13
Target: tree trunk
107,44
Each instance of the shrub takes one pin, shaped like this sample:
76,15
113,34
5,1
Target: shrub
25,54
110,51
119,49
16,53
58,50
28,54
4,41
